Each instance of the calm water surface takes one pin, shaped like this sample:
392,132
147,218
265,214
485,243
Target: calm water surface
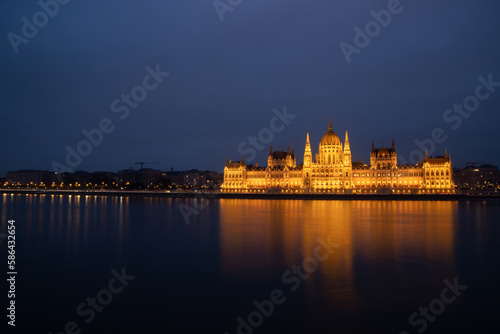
390,259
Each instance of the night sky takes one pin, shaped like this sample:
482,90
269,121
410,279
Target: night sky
225,77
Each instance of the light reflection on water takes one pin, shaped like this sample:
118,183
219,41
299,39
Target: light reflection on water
259,235
393,256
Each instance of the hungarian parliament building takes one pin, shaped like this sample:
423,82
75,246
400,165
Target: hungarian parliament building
332,171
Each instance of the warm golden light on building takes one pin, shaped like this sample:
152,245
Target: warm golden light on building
333,171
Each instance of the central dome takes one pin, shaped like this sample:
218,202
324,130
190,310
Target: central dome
330,137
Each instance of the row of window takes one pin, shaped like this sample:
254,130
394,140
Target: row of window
383,182
233,175
263,176
437,173
327,183
338,172
389,174
442,183
384,166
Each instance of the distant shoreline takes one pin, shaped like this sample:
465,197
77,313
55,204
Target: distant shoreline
218,195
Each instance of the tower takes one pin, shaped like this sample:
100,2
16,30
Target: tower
347,163
270,156
308,153
290,160
347,150
394,155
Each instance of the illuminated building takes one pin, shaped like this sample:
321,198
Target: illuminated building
145,177
30,177
484,177
332,171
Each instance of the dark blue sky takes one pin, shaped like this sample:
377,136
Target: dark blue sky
226,77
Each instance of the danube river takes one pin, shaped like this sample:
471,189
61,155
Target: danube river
112,264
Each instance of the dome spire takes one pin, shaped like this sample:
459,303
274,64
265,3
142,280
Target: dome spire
330,137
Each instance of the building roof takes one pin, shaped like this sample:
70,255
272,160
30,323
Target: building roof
437,160
359,165
279,155
384,150
330,137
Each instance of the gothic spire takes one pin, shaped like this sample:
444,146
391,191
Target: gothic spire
347,147
393,146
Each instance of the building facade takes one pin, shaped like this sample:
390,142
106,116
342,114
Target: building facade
484,177
31,177
146,178
332,171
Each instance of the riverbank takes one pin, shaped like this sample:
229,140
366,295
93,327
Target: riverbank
218,195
